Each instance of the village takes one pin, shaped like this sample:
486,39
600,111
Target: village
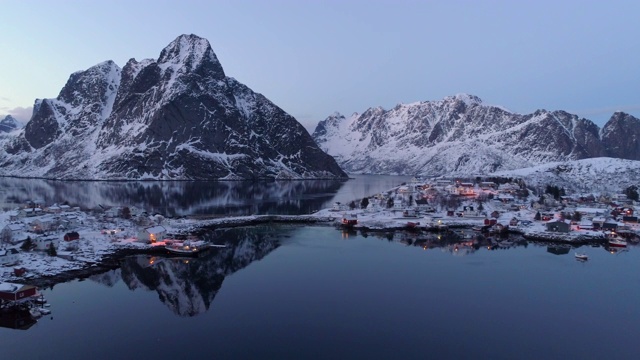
496,208
40,241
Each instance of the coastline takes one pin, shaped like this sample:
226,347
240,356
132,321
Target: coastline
110,257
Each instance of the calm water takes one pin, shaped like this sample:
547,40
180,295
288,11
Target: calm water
317,292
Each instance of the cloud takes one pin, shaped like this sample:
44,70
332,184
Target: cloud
23,114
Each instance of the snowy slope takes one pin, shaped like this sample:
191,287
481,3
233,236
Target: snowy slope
459,135
596,175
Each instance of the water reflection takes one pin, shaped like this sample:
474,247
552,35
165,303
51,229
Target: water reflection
465,242
16,319
188,286
179,198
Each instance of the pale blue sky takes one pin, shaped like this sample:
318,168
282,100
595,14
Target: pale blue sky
315,57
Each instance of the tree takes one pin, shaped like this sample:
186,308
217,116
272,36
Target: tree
364,203
27,244
632,192
390,203
352,205
125,213
538,216
52,250
480,207
577,216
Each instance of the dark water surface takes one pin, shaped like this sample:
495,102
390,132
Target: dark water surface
315,292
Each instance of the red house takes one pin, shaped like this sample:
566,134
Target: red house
16,292
349,220
70,236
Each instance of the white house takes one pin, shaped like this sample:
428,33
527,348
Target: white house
45,243
12,233
152,234
9,257
397,205
45,223
30,212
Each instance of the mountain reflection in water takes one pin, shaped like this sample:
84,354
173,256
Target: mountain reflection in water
188,286
181,198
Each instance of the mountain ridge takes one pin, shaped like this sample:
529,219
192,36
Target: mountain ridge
461,135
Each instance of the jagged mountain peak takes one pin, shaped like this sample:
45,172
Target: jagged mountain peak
102,79
468,99
190,52
9,123
621,135
177,118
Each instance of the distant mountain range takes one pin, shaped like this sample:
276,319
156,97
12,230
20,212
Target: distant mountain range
9,124
461,135
175,118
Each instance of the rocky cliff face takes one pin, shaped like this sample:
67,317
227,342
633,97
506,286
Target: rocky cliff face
461,135
178,117
621,136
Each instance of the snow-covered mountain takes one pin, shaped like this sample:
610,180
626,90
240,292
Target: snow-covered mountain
9,124
177,117
597,175
461,135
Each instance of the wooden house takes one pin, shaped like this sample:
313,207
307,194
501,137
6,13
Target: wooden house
409,213
12,233
350,219
152,234
10,292
9,257
70,236
610,224
488,185
29,212
558,226
45,223
44,243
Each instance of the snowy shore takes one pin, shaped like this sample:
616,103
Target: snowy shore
98,251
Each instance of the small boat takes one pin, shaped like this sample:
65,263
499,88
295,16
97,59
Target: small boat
189,248
44,311
617,242
581,256
412,224
35,313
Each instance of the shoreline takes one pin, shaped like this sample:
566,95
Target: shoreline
190,226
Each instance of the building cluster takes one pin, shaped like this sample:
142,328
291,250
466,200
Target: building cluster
454,197
35,226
